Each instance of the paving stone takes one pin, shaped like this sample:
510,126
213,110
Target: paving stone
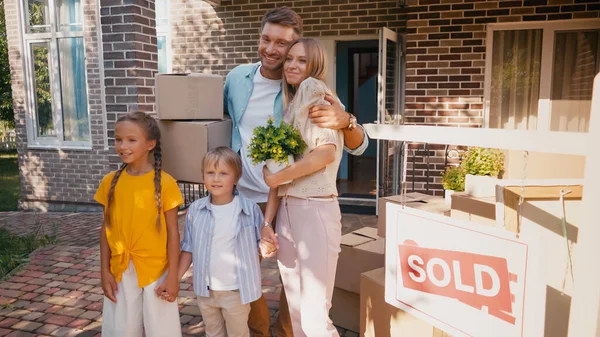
17,313
21,334
49,276
56,300
7,322
95,298
33,316
26,325
29,296
21,304
5,301
54,309
63,265
94,306
30,287
41,298
39,281
51,291
66,332
61,293
97,326
73,312
10,293
59,320
55,284
47,329
77,303
38,306
90,314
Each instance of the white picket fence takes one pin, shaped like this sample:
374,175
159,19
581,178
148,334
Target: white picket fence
8,143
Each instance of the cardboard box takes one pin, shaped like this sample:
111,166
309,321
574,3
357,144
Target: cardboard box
477,210
380,319
542,221
543,165
345,309
418,200
184,144
362,250
189,97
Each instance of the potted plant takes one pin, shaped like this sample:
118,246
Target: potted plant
482,167
453,180
275,145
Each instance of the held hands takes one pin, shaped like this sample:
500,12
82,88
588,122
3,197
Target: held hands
330,116
168,290
268,242
109,285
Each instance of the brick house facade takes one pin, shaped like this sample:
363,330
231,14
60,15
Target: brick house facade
445,66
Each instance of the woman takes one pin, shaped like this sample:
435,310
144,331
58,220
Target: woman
309,218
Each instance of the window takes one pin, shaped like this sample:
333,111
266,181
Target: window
56,83
539,76
163,36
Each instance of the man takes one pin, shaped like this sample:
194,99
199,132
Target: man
252,94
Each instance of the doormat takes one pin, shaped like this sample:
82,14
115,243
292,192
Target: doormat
357,195
355,209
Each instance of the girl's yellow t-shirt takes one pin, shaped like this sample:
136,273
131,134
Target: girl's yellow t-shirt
133,233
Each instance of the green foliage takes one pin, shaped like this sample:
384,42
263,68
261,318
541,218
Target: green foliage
453,178
483,162
14,249
42,77
275,142
9,181
6,104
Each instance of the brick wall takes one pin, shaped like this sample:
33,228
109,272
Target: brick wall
446,58
130,60
207,39
51,179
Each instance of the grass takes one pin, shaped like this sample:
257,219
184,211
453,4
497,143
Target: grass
9,181
14,250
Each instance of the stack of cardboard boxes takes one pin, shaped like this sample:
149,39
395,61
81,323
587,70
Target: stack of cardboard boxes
358,302
191,121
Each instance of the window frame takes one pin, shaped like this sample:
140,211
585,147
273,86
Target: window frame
31,114
165,31
549,30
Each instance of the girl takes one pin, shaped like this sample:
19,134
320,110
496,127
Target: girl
139,239
309,219
221,238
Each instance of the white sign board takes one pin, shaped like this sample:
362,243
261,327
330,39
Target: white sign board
468,280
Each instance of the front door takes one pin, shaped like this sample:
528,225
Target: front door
356,86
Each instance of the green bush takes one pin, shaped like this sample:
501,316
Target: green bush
453,179
275,142
483,162
14,249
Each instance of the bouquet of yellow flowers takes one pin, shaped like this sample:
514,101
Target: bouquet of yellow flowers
275,145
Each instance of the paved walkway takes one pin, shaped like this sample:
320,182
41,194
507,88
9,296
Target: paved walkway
58,293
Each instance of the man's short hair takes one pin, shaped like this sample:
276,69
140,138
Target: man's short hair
284,16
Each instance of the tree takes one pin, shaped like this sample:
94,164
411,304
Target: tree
6,103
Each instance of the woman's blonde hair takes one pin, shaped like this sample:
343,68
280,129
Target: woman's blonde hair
223,155
316,65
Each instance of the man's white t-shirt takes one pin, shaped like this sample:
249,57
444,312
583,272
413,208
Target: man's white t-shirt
260,108
223,265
